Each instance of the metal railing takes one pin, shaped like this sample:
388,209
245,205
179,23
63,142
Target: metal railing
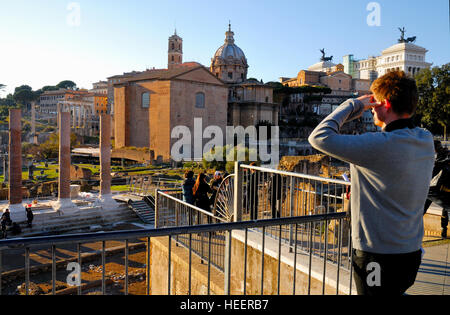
171,211
305,215
145,185
264,193
33,246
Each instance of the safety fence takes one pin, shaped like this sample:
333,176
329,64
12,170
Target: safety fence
30,249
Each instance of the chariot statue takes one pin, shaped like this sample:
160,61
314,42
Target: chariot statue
406,40
324,58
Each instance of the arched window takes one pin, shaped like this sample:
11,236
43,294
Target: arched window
146,100
200,100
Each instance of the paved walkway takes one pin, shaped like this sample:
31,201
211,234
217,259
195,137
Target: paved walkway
434,273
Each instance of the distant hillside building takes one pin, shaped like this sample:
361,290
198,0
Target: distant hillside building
100,87
342,86
406,57
80,103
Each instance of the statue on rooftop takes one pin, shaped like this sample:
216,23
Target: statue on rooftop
406,40
402,38
324,58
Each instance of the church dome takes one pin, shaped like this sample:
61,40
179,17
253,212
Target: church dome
230,49
229,63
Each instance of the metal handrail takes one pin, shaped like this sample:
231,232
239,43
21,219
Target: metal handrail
172,231
197,209
318,178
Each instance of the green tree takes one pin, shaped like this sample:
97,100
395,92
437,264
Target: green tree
49,88
7,101
23,95
228,156
50,149
434,98
67,84
2,86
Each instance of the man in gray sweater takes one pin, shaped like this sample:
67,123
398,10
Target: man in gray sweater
391,173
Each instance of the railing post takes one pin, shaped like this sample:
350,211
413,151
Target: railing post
156,208
238,192
291,212
237,217
227,264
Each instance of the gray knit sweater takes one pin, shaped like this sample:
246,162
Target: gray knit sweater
390,174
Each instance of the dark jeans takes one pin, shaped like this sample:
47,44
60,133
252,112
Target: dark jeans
397,273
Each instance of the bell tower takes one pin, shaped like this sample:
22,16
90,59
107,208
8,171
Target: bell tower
175,50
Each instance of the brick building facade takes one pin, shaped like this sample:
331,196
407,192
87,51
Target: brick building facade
150,104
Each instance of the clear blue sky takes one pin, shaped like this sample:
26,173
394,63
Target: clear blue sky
38,47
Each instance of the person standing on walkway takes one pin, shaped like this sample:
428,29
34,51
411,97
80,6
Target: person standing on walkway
253,193
188,185
30,216
6,216
440,186
391,173
275,191
215,185
201,190
3,225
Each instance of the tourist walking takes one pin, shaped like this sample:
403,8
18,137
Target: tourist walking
391,173
440,185
275,192
3,225
201,190
30,216
188,185
252,194
215,185
6,216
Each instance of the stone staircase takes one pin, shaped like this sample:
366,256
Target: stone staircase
87,219
143,210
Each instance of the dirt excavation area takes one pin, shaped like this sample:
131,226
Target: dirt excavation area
67,267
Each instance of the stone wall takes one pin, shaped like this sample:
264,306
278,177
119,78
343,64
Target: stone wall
316,165
77,173
179,271
133,155
121,117
172,103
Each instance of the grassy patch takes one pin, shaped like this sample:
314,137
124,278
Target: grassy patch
120,188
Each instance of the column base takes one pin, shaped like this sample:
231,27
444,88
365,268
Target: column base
65,207
107,202
18,213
